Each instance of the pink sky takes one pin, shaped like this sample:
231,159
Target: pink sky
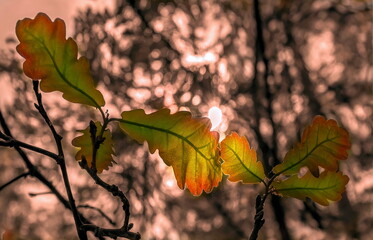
13,10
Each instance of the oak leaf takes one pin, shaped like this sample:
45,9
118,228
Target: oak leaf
185,143
104,154
53,59
240,161
323,144
323,189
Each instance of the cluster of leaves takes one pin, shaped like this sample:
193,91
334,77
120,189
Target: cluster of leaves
185,143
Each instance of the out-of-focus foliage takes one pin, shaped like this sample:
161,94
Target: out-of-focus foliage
198,54
53,59
323,144
104,154
185,143
327,187
240,161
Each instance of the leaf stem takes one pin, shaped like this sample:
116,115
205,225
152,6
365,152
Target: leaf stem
104,118
259,209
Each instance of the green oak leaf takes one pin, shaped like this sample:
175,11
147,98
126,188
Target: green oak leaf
323,189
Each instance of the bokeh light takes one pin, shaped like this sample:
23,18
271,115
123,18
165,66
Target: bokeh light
216,117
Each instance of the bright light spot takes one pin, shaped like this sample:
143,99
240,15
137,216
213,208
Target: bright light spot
215,116
206,58
170,183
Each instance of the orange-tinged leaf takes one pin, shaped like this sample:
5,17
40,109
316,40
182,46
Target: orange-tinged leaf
53,59
9,235
323,144
104,153
240,160
185,143
326,188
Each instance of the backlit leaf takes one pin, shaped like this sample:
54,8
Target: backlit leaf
327,187
240,160
185,143
53,59
323,144
104,153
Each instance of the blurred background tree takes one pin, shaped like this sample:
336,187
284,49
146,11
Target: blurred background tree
269,67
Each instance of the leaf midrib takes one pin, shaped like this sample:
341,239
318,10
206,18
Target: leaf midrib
308,154
305,188
243,164
174,134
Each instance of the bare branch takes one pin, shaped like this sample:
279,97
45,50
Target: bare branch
11,142
23,175
34,172
61,161
116,192
44,114
259,221
100,211
38,194
113,233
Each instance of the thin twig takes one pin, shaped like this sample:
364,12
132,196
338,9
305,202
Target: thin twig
96,141
60,161
114,190
11,142
113,233
43,113
32,168
23,175
100,211
259,213
39,194
93,131
259,208
34,172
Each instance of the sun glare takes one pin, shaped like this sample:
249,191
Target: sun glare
215,116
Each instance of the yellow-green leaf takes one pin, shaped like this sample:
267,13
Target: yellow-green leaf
104,153
240,160
53,59
326,188
185,143
323,144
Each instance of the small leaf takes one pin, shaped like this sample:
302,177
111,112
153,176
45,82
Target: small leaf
53,59
323,144
185,143
327,187
104,153
240,161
